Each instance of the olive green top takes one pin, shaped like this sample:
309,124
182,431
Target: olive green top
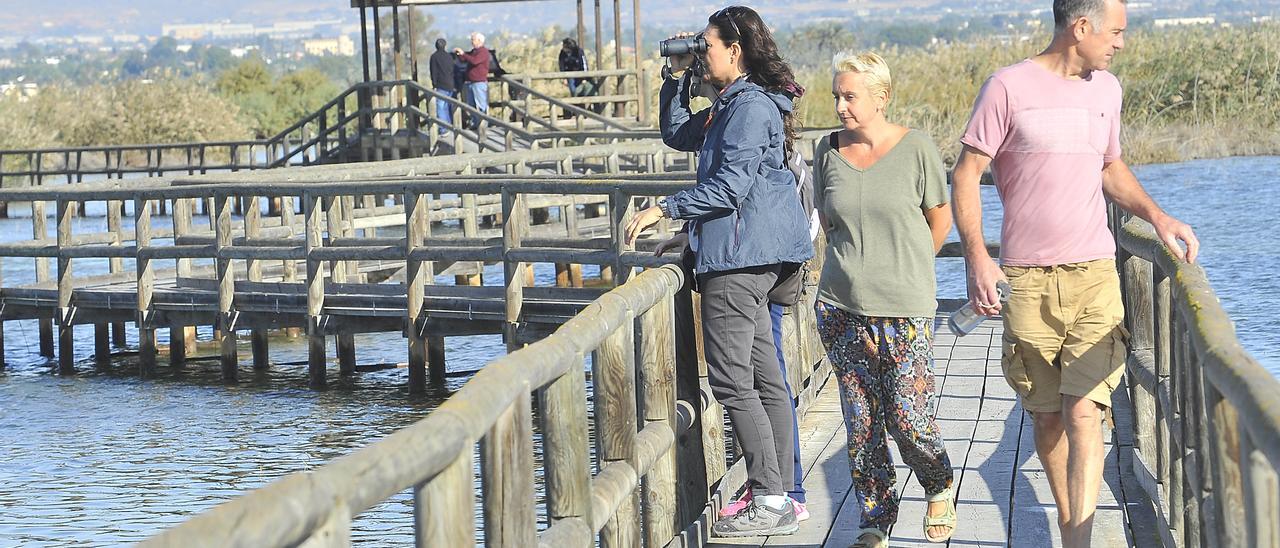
879,259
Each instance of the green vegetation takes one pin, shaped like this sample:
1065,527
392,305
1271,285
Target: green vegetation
269,104
1189,92
167,111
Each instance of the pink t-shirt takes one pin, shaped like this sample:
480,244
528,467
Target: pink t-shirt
1049,138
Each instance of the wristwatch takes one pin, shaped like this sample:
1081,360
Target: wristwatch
665,207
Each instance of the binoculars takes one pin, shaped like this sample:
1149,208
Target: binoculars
683,46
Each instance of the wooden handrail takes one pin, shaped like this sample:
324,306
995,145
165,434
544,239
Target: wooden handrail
1206,413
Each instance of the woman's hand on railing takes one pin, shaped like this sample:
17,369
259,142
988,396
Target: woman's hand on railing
679,241
641,221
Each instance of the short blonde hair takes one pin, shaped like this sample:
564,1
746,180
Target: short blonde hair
871,66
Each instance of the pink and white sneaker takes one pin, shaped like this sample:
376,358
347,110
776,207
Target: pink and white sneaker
738,505
802,512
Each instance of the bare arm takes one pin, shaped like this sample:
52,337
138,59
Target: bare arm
1122,187
939,219
966,200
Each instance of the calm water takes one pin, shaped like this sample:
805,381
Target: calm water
103,458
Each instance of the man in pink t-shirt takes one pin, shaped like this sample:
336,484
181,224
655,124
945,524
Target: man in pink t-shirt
1049,127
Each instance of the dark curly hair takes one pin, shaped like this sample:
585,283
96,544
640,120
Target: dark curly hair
765,66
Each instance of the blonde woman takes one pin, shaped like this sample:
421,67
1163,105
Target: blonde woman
881,191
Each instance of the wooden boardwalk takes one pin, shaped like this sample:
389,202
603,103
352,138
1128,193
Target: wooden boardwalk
1003,494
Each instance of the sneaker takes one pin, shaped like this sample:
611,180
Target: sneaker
738,505
802,512
757,520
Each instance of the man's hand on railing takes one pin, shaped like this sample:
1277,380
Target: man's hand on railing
1170,230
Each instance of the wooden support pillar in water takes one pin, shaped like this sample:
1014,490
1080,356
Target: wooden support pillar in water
312,209
115,209
181,339
417,276
226,333
40,231
253,230
515,211
289,267
65,314
101,343
346,345
146,288
436,361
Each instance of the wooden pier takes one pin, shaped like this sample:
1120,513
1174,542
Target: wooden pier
357,248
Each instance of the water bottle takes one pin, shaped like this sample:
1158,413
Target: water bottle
965,319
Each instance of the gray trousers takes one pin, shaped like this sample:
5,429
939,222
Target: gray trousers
742,368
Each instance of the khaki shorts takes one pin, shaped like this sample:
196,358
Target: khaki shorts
1063,333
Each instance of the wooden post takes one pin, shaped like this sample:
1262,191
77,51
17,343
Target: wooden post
116,264
1162,313
442,508
470,229
146,288
694,482
182,337
506,471
226,288
312,209
563,414
253,231
417,208
1138,309
621,210
39,232
289,267
614,374
102,343
65,313
599,38
515,215
657,375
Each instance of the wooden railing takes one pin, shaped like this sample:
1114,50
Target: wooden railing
637,422
622,96
1206,414
325,239
363,122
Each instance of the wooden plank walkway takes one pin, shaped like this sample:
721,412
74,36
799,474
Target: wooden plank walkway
1003,494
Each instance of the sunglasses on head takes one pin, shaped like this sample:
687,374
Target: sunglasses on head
728,15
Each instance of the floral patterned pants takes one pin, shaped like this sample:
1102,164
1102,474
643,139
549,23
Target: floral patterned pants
885,369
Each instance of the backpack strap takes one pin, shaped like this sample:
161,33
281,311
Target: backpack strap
834,140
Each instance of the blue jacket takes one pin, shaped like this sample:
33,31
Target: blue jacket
745,202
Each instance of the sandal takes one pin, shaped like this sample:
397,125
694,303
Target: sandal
881,541
947,519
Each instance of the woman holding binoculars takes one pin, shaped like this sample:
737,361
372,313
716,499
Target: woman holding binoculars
744,221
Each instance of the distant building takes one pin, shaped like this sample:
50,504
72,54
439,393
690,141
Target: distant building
341,45
1184,21
22,90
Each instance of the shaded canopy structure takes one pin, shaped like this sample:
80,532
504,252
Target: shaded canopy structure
371,26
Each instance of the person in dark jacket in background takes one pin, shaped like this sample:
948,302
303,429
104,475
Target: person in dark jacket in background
572,59
747,221
442,81
477,75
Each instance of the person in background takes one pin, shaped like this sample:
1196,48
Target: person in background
477,77
442,80
572,59
1049,127
747,221
881,193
